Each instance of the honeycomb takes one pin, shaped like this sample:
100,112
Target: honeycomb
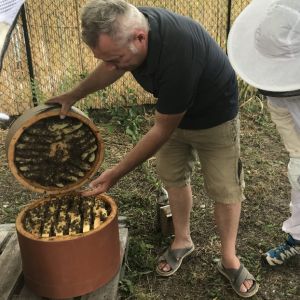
66,215
56,152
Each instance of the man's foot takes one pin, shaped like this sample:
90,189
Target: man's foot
170,261
235,264
280,254
242,282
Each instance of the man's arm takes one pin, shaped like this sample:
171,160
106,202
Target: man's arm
100,78
145,148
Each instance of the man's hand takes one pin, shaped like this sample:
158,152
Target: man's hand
65,100
102,184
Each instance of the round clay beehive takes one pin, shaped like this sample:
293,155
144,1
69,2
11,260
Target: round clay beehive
71,257
52,155
67,265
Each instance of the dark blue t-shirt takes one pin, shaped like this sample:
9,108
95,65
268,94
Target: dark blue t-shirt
187,71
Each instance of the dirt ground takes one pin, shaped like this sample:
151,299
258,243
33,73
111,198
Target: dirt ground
263,211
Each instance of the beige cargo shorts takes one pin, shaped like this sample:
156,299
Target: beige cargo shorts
217,149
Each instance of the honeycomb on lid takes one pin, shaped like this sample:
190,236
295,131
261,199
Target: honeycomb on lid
54,152
52,155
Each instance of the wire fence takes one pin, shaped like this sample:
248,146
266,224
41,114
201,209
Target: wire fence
46,55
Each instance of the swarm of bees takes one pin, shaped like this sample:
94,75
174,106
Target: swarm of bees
56,152
66,215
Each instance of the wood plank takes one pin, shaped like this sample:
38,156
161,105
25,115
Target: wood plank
107,292
26,294
10,262
4,235
7,227
123,234
124,250
6,231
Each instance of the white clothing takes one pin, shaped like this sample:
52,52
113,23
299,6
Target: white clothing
285,113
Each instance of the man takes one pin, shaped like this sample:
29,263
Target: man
176,60
264,49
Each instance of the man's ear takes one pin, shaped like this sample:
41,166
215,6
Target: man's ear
140,35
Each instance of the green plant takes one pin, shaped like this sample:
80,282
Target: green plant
140,256
126,287
130,116
37,92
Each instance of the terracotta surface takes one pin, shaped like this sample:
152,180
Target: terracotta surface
70,266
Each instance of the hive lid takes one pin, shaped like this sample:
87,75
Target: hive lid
51,155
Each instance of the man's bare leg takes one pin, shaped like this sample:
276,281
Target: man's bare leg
181,204
227,219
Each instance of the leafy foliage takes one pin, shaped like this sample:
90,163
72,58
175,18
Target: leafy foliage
129,117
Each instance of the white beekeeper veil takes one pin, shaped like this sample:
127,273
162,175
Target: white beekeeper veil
264,45
9,10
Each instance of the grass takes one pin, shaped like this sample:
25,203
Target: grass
265,208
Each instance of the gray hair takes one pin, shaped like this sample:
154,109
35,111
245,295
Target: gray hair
117,18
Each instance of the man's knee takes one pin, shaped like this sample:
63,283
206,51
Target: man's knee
171,180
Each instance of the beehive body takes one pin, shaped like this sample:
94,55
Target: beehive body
70,265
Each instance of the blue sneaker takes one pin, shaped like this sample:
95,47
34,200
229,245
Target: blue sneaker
280,254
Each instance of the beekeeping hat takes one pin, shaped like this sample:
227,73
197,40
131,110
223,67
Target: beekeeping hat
264,45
